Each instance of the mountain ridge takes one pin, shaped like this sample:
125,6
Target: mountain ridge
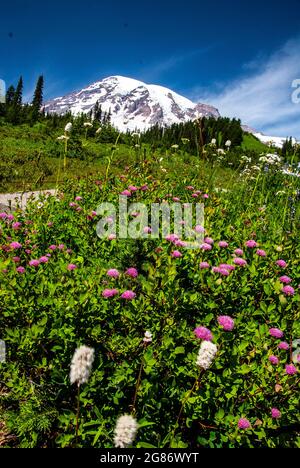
134,104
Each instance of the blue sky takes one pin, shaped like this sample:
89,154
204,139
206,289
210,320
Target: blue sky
239,55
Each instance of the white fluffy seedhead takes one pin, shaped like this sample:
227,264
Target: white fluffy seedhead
125,431
81,365
206,354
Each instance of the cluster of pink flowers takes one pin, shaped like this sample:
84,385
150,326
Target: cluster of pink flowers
290,369
203,333
226,322
221,271
275,413
251,244
274,360
276,333
261,253
132,272
223,244
176,254
240,261
128,295
281,264
107,293
283,345
133,189
205,247
285,279
113,273
244,424
288,290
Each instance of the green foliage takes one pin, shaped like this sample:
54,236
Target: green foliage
48,311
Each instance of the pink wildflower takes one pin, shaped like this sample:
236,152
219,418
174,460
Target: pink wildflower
275,413
15,245
203,333
239,261
276,333
226,322
44,259
199,229
274,360
126,193
288,290
204,266
244,424
283,345
239,252
227,267
128,295
176,254
34,263
206,247
281,263
251,244
261,253
132,272
285,279
21,270
72,267
109,293
223,244
113,273
290,369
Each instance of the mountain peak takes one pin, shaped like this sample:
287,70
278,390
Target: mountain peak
133,103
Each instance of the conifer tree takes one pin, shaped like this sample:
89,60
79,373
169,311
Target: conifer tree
10,93
37,101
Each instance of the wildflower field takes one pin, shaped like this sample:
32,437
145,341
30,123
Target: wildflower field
143,342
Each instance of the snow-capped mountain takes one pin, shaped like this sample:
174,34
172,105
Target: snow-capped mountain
133,104
271,140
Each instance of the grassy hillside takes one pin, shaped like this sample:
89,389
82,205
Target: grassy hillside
32,157
250,142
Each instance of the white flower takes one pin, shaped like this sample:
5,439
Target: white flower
68,127
125,431
206,354
213,142
228,143
220,151
175,146
63,137
147,337
98,131
87,124
81,365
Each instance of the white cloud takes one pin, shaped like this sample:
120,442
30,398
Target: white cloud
263,97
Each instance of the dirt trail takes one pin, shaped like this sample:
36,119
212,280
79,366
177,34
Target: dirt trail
20,199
